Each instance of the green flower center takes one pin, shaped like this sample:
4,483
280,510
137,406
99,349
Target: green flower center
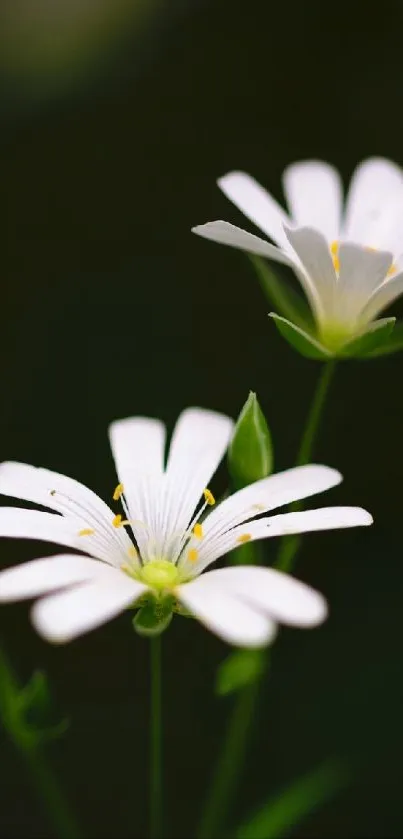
159,574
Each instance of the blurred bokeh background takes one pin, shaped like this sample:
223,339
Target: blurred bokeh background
116,118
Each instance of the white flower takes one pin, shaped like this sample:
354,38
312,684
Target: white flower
170,547
350,262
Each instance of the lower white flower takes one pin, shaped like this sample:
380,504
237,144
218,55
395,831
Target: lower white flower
349,263
170,547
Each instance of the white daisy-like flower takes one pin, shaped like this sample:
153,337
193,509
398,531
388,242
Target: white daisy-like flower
349,261
169,546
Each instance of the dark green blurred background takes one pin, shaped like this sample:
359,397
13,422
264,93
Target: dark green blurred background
110,307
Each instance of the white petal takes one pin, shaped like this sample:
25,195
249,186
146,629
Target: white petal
138,445
269,493
66,496
199,442
307,521
320,285
61,617
386,294
361,272
314,195
281,597
257,205
44,575
228,234
225,614
374,211
48,527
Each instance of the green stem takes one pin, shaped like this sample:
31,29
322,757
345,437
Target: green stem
155,741
227,770
51,794
232,757
27,742
290,544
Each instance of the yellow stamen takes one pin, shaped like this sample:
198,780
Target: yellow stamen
125,568
244,537
86,531
198,531
392,270
118,492
209,497
334,250
258,507
132,552
193,554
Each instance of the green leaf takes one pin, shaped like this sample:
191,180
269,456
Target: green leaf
291,304
240,668
284,811
250,455
370,341
392,344
154,617
304,343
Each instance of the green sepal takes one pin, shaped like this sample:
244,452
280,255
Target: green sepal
300,340
154,617
250,454
239,669
392,344
289,302
371,341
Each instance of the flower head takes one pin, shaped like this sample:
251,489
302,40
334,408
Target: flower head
349,262
156,550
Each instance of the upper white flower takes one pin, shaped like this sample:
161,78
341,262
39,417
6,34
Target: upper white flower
170,547
349,262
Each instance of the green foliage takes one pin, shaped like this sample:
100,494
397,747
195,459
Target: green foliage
239,669
282,812
25,711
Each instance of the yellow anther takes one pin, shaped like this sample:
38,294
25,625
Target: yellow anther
258,507
392,270
198,531
209,497
118,492
244,537
334,250
193,554
117,521
125,568
132,552
86,531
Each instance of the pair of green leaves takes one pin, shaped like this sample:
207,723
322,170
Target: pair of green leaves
295,324
25,711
